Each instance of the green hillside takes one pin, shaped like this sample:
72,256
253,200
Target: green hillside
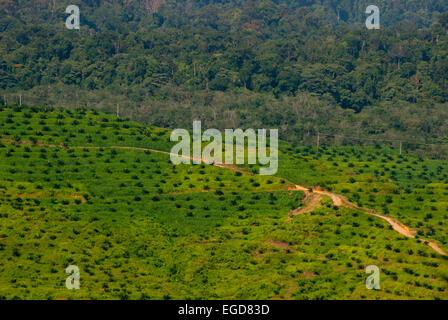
284,64
89,189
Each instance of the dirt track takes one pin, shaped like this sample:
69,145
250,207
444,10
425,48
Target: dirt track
312,199
342,201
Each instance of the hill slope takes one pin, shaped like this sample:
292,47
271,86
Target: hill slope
138,227
226,62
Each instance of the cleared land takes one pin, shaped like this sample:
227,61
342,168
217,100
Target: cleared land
99,192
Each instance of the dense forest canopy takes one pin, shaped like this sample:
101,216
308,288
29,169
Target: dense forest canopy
215,54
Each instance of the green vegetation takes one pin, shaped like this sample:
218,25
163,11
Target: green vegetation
140,228
405,186
296,65
80,186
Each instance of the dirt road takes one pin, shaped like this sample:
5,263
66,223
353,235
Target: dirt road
342,201
312,196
